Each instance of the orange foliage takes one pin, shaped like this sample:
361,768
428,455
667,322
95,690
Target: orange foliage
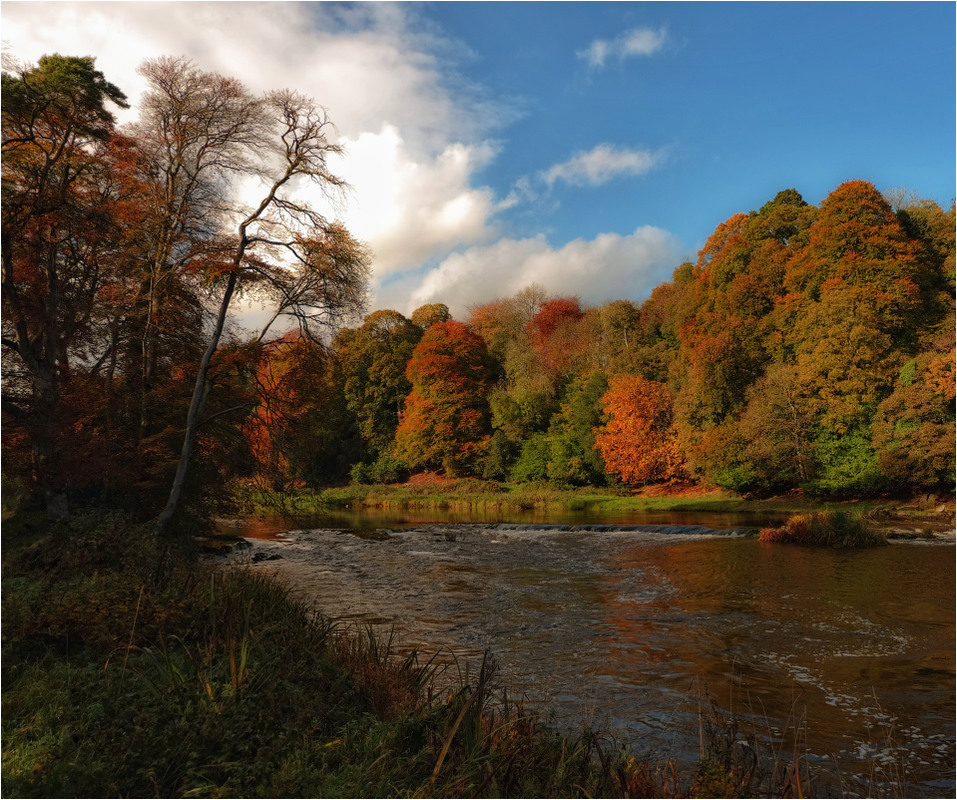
638,443
288,378
445,422
940,374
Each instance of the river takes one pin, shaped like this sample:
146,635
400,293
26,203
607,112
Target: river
846,657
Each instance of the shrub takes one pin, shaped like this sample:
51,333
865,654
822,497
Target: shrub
825,528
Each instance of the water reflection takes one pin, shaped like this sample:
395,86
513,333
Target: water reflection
848,656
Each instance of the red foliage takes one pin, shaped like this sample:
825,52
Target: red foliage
552,332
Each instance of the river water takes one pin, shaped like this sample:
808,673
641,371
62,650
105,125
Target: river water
846,657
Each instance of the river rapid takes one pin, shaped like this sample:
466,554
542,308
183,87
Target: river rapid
845,657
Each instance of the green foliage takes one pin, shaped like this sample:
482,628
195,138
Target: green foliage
532,462
67,86
499,457
908,373
371,362
574,458
385,469
846,463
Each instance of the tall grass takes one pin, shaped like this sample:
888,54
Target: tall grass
826,529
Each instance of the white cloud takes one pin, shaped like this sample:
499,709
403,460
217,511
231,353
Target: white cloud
636,42
607,267
414,136
410,210
602,164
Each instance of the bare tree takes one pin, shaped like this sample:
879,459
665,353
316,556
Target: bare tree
198,133
315,269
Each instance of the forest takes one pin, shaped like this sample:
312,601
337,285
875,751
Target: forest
808,347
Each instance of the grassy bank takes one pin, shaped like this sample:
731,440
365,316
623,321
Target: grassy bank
486,496
130,669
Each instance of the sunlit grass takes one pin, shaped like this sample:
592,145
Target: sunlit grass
472,495
826,529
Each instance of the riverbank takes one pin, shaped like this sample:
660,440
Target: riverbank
912,516
132,669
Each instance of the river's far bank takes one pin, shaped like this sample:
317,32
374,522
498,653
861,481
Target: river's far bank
433,498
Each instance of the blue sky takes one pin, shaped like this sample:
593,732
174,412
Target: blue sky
746,98
588,147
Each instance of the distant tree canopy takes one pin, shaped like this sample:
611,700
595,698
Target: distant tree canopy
807,346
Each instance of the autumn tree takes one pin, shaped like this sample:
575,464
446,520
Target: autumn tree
197,132
524,397
430,314
299,429
637,442
553,333
313,269
372,362
445,421
913,430
610,337
55,243
777,429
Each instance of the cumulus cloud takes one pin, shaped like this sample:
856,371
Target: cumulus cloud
610,266
410,210
636,42
414,133
602,164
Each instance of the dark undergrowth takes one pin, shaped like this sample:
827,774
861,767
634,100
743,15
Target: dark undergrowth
130,669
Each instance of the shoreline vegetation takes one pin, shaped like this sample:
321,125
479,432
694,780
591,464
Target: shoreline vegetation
854,522
124,678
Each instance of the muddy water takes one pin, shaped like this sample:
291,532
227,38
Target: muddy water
847,657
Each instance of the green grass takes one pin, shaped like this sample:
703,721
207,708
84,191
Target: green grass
484,496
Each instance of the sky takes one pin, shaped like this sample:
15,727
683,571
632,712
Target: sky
587,147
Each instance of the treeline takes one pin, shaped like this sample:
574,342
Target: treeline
807,347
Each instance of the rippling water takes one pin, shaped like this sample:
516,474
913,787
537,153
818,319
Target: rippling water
847,656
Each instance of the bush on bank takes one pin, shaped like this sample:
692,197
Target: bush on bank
826,529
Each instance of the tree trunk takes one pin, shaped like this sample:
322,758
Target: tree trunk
196,405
